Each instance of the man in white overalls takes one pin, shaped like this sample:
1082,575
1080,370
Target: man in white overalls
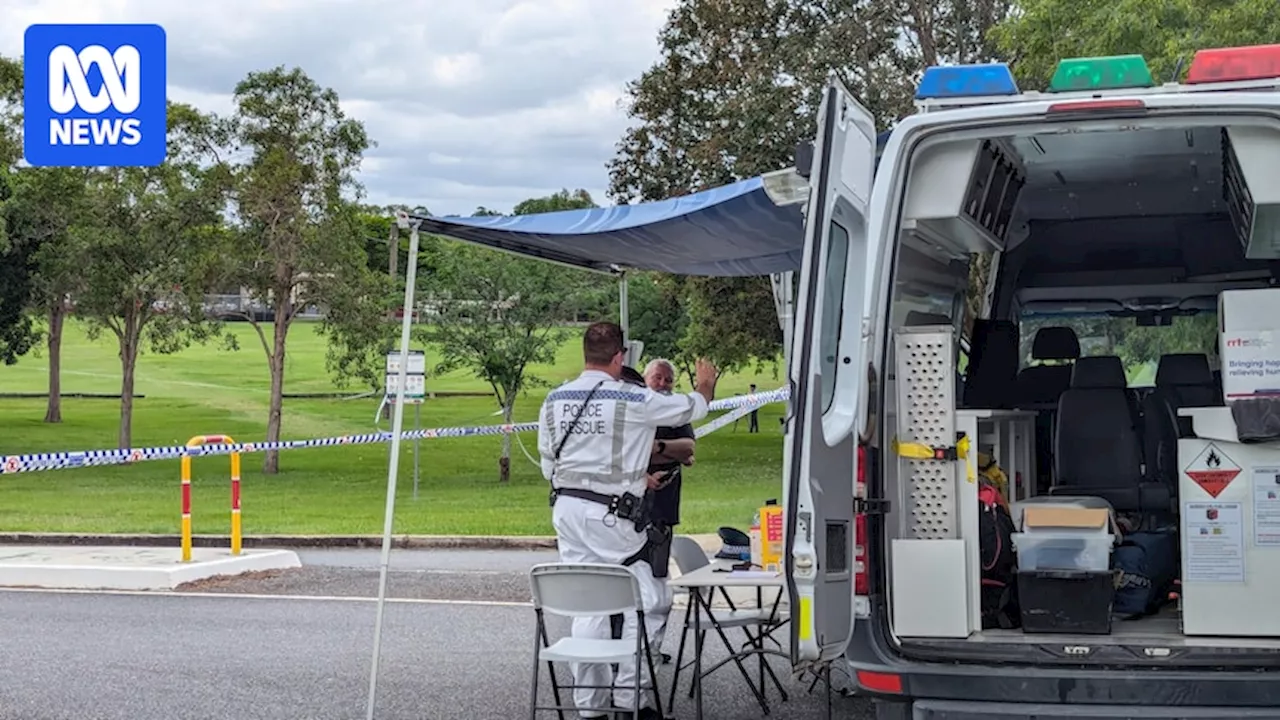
595,438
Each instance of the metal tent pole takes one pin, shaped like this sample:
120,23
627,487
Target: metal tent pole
393,466
784,305
624,313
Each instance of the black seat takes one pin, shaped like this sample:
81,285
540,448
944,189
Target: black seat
1038,387
1160,424
1187,378
1044,384
1097,448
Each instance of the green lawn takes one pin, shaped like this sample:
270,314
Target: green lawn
205,390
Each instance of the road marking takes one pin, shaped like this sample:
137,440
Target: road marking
266,596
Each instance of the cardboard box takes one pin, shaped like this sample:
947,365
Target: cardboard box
1065,518
1249,343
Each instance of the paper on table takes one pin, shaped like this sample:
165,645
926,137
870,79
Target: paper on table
762,574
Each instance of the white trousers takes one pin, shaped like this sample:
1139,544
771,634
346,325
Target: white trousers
583,536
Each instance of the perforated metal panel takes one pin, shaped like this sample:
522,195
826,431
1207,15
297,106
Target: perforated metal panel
926,414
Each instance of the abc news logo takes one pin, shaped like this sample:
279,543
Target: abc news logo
69,89
95,95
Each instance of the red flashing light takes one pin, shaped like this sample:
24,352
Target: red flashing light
1257,62
1089,106
861,580
880,682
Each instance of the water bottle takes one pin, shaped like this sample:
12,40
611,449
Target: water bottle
757,546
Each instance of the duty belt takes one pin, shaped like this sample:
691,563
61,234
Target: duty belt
625,506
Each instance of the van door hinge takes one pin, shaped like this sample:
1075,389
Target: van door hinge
871,507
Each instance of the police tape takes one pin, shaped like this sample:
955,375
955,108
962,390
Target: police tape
723,420
35,462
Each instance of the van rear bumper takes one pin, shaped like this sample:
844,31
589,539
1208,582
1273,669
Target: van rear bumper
943,710
937,686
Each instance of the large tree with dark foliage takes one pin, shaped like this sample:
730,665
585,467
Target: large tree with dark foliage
301,240
737,86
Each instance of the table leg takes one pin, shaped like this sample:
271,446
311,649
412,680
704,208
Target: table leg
696,594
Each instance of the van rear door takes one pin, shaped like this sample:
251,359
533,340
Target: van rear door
827,377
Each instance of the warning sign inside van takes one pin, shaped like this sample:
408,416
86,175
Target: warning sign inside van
1212,470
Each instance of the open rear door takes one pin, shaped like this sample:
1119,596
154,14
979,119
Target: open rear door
827,375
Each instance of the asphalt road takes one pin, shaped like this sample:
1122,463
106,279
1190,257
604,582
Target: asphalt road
298,644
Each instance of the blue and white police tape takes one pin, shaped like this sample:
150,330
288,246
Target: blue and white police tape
34,462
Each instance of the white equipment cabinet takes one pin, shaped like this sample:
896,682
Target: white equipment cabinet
1230,496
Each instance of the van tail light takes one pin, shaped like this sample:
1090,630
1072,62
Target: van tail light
861,584
889,683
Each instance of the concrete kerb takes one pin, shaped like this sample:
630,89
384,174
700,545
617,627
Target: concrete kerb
709,542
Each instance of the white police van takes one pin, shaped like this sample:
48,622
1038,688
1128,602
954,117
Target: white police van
1107,196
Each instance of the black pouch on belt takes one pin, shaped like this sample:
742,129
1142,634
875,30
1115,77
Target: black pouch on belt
659,549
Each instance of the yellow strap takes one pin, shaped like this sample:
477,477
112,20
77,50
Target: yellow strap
920,451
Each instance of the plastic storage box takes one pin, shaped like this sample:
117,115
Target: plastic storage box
1066,601
1063,550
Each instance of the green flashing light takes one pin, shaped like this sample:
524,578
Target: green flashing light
1102,73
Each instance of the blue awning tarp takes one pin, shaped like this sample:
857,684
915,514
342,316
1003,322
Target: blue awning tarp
734,230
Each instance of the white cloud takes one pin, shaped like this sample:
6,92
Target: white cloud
471,102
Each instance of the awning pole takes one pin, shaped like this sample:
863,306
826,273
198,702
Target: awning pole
623,311
397,427
784,305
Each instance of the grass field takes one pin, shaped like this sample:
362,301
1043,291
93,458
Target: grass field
205,390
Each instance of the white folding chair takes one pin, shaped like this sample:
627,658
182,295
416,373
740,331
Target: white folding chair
588,590
690,556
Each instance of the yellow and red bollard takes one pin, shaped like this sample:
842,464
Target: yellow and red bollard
197,441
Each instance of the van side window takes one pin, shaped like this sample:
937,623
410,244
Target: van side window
832,310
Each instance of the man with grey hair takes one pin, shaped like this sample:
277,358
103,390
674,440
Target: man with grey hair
673,451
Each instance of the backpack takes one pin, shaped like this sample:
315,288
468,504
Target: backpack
999,560
1148,565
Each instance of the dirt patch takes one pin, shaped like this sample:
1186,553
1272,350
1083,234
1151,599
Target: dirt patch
227,582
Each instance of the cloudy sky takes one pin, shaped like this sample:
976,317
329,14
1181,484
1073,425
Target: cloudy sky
471,102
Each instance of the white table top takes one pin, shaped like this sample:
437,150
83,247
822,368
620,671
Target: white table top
714,575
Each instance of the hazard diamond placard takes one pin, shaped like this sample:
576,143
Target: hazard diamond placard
1212,470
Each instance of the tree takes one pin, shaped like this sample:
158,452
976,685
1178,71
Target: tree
44,205
17,259
658,316
1165,32
556,202
497,314
148,246
10,111
736,88
596,296
300,241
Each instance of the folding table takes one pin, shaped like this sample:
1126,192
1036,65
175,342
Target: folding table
702,585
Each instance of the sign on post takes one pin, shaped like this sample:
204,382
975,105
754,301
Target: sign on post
415,389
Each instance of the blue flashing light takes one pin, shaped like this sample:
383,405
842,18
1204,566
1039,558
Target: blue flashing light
960,81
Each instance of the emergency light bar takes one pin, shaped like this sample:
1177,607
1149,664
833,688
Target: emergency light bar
1101,73
1256,62
962,81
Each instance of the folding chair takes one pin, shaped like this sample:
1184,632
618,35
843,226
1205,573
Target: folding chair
689,556
588,590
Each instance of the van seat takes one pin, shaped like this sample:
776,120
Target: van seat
1038,388
1044,384
1097,447
1188,380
